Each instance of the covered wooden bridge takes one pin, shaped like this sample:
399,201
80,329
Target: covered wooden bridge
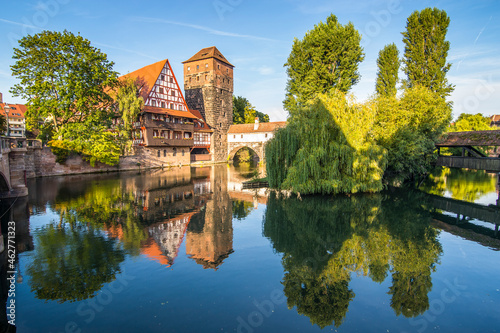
471,158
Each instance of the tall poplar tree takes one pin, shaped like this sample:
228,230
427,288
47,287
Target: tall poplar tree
388,66
327,57
426,49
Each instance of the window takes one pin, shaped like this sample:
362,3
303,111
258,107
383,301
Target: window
206,77
172,106
173,93
183,152
165,153
175,152
227,70
197,67
197,78
161,90
234,136
266,135
242,136
171,80
189,68
153,103
162,77
218,66
158,153
162,104
206,65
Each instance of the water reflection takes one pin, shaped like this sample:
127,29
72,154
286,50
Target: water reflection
390,237
101,221
325,240
465,185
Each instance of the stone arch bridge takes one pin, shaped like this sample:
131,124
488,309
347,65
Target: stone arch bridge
13,166
252,136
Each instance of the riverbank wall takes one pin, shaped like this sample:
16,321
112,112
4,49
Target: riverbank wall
41,162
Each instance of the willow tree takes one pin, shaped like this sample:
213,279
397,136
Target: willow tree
426,50
388,67
326,58
326,149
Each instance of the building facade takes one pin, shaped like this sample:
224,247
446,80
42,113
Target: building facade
164,130
208,84
14,115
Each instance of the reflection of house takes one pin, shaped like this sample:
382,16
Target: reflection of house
14,114
167,237
495,120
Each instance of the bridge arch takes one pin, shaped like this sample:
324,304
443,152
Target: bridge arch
257,148
4,183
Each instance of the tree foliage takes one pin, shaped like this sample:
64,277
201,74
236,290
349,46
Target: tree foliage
471,122
66,82
129,104
426,50
244,112
3,124
409,127
326,58
388,67
326,148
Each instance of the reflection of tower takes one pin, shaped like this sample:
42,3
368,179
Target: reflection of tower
208,85
209,238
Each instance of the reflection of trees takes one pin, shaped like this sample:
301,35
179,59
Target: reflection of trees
107,206
466,185
72,262
325,240
241,209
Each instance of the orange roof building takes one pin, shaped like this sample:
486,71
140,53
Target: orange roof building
15,117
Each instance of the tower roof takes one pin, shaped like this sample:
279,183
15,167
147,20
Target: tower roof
207,53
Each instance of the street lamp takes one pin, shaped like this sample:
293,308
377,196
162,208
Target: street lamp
7,109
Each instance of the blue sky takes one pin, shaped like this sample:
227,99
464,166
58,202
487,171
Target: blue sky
256,36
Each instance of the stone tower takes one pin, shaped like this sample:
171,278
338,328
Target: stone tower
208,86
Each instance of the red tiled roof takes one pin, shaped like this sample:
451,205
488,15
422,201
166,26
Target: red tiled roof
147,76
176,113
18,112
495,117
200,117
263,127
208,52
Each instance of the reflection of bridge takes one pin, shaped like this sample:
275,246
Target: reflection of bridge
471,157
465,212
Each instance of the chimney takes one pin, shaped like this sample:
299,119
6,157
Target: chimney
256,125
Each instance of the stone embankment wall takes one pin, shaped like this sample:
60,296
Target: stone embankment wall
41,162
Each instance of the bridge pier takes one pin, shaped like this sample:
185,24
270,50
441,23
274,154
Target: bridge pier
13,167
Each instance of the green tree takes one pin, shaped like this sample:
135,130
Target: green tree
426,50
66,82
3,124
408,128
129,103
471,122
326,148
388,66
244,112
326,58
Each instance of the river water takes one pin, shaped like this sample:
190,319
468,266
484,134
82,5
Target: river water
187,250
